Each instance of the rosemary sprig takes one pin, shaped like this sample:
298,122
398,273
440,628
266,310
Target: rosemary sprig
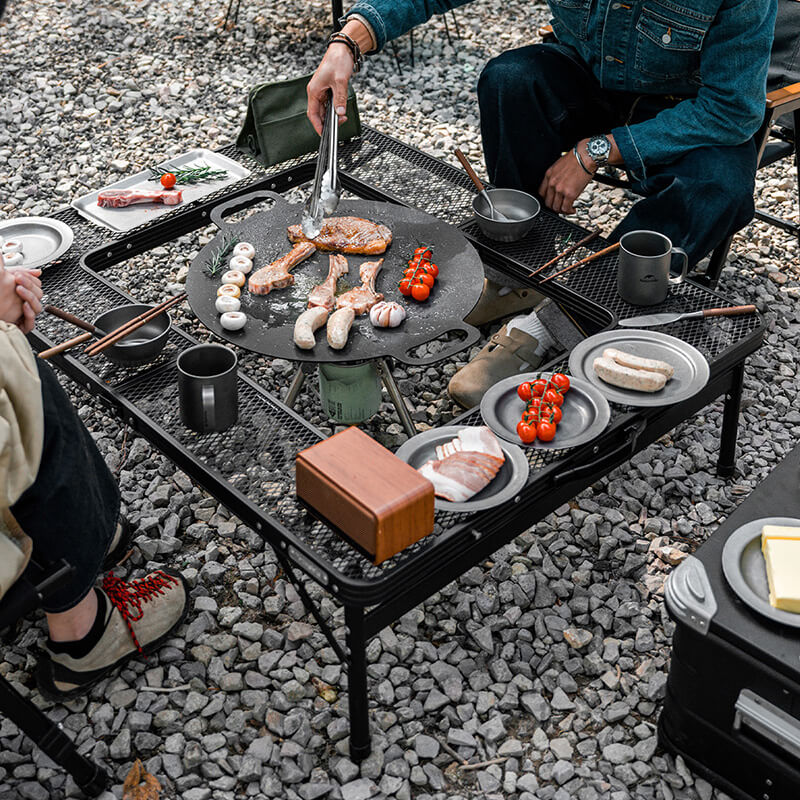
228,242
197,174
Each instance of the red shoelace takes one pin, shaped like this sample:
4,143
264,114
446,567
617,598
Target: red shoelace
127,597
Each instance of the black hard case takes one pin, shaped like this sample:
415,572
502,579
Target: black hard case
724,654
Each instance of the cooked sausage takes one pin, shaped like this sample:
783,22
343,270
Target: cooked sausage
339,327
640,380
637,362
308,322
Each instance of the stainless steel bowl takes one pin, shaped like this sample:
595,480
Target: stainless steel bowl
521,209
144,344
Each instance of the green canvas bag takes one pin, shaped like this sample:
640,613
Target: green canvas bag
276,127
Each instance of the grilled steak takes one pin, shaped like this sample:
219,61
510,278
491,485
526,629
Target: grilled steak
348,235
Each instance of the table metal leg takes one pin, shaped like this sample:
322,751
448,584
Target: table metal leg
726,462
357,683
337,11
294,388
396,397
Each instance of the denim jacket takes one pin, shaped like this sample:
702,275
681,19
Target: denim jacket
715,53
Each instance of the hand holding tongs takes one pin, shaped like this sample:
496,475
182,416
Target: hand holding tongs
324,196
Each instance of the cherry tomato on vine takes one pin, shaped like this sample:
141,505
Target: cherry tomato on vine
405,287
546,431
552,396
168,180
432,268
561,382
524,391
538,387
420,292
555,412
428,280
421,251
527,433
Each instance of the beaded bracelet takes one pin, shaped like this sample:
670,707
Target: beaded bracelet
352,45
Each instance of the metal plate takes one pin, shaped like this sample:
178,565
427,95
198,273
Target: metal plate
746,570
270,318
506,484
43,239
691,368
585,412
124,219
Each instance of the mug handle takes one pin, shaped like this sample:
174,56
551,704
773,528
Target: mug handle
680,278
209,416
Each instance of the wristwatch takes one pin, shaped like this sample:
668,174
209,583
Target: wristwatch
599,149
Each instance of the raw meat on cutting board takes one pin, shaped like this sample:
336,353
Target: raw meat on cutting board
119,198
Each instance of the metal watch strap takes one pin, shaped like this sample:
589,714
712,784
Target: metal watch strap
599,149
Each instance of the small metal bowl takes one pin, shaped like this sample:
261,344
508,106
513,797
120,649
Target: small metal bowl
521,209
141,346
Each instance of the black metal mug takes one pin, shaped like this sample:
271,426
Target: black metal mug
208,389
643,275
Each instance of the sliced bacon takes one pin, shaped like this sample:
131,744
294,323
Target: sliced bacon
464,465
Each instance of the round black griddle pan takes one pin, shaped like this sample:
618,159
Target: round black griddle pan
270,318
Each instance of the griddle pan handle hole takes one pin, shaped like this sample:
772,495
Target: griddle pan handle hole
628,445
241,202
771,724
471,335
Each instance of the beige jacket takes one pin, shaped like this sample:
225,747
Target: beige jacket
21,440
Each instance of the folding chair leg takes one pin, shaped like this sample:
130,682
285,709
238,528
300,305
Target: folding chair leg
46,735
717,262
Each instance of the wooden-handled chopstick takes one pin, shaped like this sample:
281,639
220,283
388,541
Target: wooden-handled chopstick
568,252
60,348
71,318
594,256
129,327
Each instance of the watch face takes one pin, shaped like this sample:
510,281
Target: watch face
598,147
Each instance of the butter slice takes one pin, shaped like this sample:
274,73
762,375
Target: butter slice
781,547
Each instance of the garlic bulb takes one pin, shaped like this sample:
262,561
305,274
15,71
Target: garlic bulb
387,314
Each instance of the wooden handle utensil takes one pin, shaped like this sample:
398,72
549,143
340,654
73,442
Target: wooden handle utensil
568,252
71,318
594,256
732,311
60,348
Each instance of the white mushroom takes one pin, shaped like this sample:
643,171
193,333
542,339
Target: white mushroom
235,277
242,263
12,246
12,259
230,289
226,302
233,320
245,249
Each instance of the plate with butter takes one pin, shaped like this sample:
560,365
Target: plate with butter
761,562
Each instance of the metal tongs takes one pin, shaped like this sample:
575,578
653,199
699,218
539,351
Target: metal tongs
324,196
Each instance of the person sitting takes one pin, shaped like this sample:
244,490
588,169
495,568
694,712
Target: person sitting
70,510
671,92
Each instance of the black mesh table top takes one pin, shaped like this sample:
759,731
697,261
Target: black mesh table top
251,468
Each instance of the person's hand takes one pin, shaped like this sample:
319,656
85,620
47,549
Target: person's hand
564,181
11,304
334,73
29,288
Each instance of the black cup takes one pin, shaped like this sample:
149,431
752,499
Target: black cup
208,388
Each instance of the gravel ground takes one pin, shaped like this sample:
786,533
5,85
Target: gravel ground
552,657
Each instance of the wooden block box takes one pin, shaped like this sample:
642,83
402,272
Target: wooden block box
365,491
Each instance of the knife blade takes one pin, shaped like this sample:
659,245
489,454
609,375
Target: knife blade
651,320
324,197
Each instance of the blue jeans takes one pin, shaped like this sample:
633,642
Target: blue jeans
538,101
71,509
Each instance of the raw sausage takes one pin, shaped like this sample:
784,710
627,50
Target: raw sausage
640,380
339,327
307,323
637,362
